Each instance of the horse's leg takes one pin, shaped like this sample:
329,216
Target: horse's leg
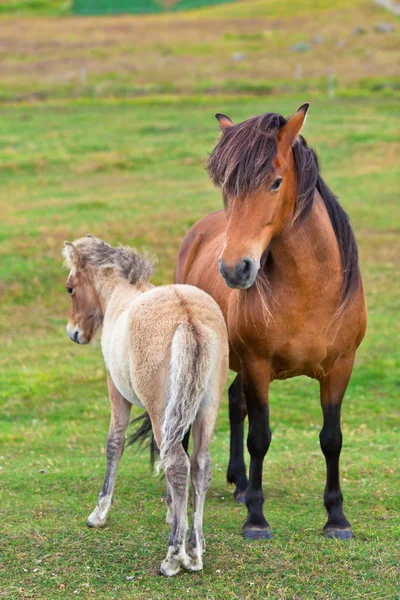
333,388
203,428
168,501
120,413
237,413
168,493
177,474
256,381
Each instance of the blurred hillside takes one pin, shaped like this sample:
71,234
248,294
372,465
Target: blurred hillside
251,47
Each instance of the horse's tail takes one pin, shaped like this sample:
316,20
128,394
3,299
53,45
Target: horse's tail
193,353
143,435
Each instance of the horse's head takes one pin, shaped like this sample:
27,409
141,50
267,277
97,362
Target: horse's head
86,312
253,165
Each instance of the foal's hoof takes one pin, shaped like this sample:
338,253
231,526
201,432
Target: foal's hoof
339,534
195,564
239,496
95,524
168,571
257,533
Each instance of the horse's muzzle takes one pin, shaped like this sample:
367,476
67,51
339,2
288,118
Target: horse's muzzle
75,335
241,276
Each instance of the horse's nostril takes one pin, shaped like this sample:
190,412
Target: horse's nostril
75,336
222,268
245,268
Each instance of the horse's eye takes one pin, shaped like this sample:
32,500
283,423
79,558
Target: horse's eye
70,290
276,185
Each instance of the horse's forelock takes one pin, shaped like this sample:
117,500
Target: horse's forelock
243,156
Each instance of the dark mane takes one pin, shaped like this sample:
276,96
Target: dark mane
240,164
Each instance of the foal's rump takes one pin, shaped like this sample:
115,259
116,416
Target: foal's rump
195,352
179,344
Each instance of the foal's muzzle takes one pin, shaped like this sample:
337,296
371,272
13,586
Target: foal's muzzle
241,275
74,335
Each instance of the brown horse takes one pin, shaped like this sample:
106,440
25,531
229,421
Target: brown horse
165,349
282,263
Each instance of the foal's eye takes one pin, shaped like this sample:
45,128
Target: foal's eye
276,185
70,290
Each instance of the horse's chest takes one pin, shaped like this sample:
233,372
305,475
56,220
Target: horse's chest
289,349
296,357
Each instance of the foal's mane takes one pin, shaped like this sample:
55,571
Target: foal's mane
241,162
94,253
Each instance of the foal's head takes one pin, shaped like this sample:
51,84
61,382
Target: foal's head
253,165
95,270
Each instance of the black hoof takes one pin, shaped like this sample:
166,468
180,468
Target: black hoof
240,496
257,534
339,534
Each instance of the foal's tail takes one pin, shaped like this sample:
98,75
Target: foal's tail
193,353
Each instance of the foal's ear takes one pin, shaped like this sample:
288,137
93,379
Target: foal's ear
224,121
289,133
71,254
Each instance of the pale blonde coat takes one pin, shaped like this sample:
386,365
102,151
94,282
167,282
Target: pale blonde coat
165,349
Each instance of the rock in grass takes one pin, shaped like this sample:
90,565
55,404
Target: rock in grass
384,28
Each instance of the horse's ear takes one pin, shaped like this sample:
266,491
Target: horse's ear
289,133
71,255
224,121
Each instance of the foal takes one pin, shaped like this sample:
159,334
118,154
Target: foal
166,350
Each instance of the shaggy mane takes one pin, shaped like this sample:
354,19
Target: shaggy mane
94,253
242,160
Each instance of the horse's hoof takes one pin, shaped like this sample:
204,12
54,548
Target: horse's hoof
240,497
96,524
168,572
195,564
256,533
339,534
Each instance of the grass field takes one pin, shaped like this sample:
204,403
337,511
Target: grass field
117,150
240,48
132,172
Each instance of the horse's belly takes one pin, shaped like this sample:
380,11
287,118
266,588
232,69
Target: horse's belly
124,386
118,361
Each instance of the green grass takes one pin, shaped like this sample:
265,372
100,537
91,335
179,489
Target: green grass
132,172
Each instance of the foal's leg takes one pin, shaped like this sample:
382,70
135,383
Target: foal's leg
256,385
120,412
203,428
333,388
168,501
177,474
237,413
168,492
